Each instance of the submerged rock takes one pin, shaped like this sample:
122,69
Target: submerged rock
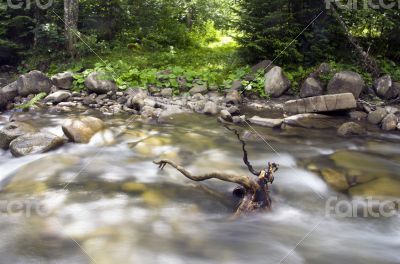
351,129
320,104
34,143
81,130
97,83
276,82
33,82
382,187
335,179
12,131
346,82
63,80
266,122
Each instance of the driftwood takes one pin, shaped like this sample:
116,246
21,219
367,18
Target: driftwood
253,191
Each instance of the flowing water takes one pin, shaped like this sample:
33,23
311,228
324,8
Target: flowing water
111,204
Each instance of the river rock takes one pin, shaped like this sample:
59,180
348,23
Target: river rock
57,97
311,87
385,88
167,92
81,130
375,117
390,122
210,108
169,113
96,83
310,121
34,143
12,131
358,115
335,179
351,129
319,104
63,80
135,102
33,82
233,97
346,82
104,137
382,187
225,115
266,122
276,82
7,94
197,88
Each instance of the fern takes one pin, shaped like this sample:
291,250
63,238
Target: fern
32,102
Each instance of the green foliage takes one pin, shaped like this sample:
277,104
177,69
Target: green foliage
32,102
297,75
391,68
256,85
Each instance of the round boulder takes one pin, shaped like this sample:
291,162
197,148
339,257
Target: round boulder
390,122
12,131
97,83
375,117
81,130
346,82
33,82
63,80
311,87
276,82
34,143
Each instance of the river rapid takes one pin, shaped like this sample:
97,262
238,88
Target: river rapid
111,204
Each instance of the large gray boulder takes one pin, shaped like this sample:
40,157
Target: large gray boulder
81,130
346,82
276,82
12,131
311,87
97,82
385,88
33,82
320,104
7,94
34,143
63,80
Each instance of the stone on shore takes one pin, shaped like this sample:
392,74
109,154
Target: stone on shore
63,80
225,115
389,123
346,82
57,97
33,82
198,89
266,122
7,94
210,108
96,82
376,117
233,97
385,88
310,88
320,104
351,129
12,131
276,82
34,143
81,130
310,121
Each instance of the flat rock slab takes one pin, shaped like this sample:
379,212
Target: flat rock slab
311,121
266,122
320,104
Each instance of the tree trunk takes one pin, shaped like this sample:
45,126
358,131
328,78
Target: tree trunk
71,11
369,63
